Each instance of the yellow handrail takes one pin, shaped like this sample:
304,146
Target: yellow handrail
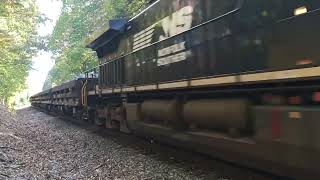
84,97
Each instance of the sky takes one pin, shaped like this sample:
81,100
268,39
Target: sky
42,63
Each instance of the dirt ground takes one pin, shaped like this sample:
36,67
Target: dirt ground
34,145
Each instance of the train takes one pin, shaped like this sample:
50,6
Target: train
238,80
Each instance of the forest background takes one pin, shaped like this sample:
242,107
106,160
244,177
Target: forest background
19,40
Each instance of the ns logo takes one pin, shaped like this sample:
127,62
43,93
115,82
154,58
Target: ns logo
177,22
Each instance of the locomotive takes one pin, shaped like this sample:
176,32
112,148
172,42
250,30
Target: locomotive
235,79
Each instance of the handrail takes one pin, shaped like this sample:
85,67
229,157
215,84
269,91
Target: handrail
293,17
84,94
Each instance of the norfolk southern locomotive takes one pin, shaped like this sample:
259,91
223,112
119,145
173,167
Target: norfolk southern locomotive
236,79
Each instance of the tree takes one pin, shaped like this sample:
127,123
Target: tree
18,43
79,19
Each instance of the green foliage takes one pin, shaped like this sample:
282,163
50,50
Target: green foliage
18,43
79,19
136,6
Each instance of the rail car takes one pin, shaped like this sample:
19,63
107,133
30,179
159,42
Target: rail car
67,98
235,79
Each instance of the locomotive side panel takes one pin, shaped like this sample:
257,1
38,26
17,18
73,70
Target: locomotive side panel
178,40
169,50
272,36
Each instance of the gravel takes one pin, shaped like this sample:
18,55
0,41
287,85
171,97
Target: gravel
34,145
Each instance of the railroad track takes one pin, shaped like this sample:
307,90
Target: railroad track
204,166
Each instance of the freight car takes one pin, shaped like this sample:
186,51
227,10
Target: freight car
236,79
68,98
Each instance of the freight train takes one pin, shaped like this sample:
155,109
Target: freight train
236,79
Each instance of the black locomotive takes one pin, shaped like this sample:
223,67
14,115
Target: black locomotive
236,79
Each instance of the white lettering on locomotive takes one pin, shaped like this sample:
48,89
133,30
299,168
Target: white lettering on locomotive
166,57
172,49
180,21
174,58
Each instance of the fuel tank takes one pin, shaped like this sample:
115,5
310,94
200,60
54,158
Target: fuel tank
160,110
217,114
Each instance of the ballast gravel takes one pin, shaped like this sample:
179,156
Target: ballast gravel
34,145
